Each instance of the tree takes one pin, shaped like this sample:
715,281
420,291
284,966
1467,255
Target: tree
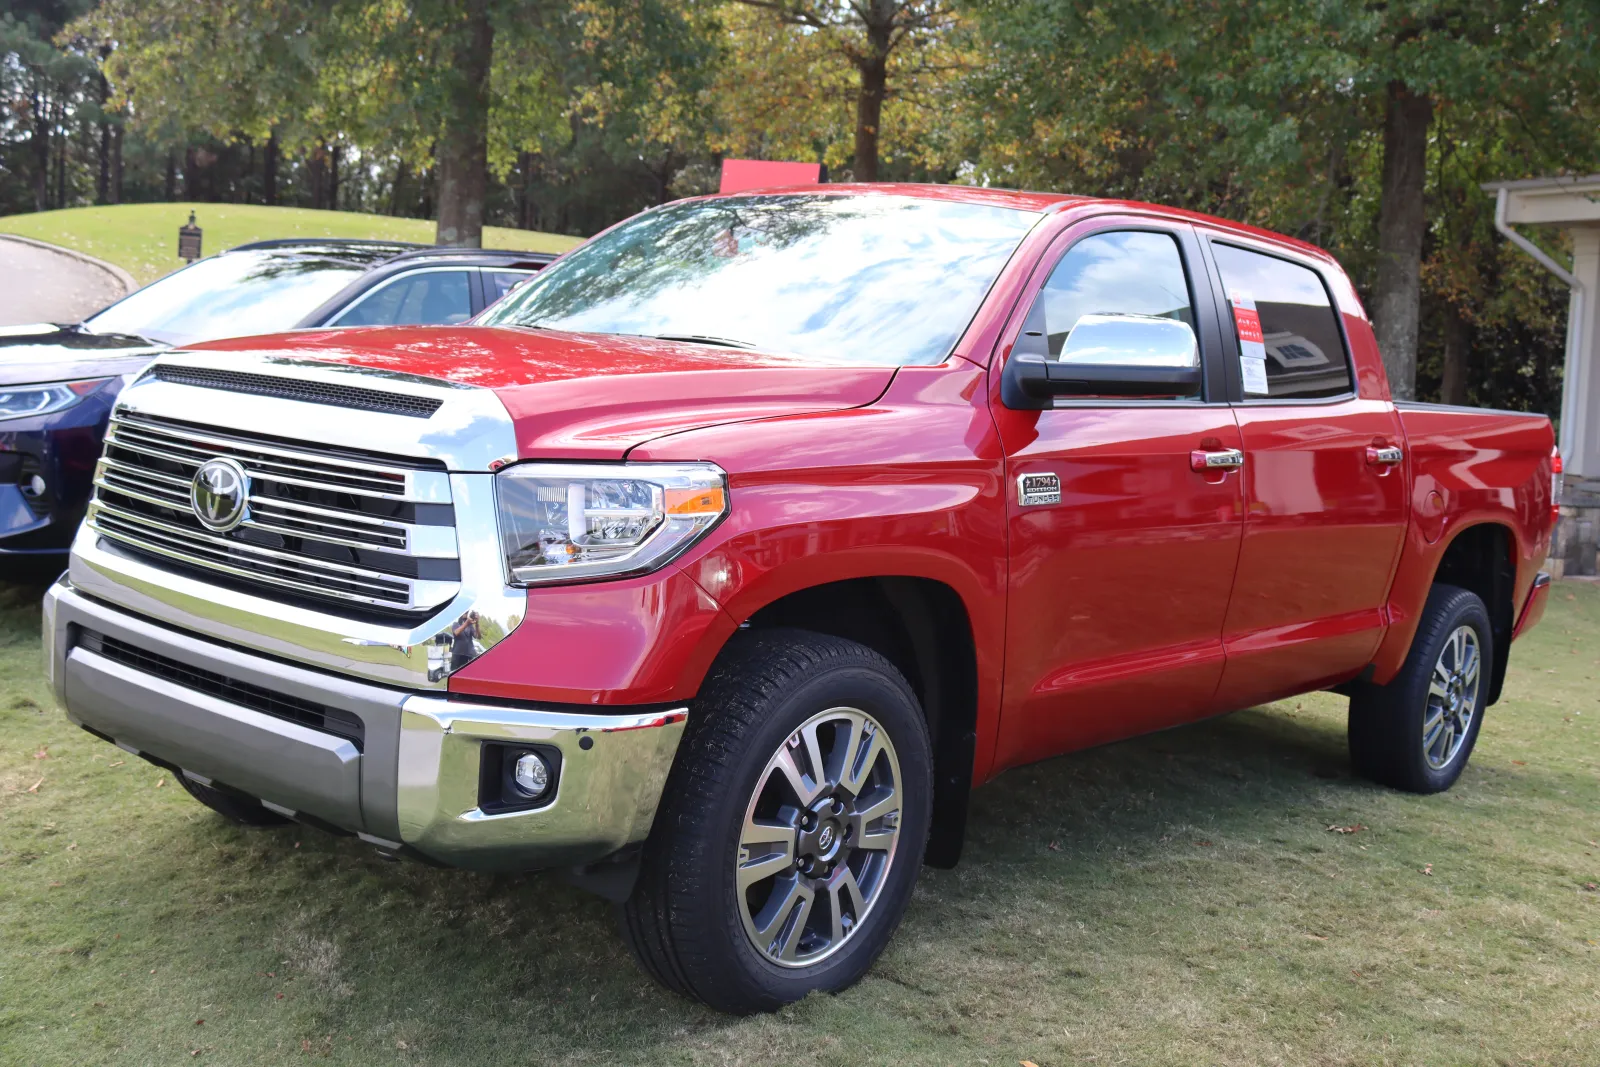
1303,116
871,35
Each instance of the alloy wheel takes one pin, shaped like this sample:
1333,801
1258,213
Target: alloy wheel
1452,698
819,836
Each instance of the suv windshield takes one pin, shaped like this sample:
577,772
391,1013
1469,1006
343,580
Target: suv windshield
231,295
835,278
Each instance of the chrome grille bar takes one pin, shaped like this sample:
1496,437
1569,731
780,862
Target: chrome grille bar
318,524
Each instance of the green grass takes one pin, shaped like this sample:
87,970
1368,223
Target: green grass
142,239
1169,901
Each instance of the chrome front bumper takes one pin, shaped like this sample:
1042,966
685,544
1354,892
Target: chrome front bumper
414,779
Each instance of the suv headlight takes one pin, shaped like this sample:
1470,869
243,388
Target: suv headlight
569,522
18,402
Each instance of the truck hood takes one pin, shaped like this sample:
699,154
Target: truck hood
588,396
43,352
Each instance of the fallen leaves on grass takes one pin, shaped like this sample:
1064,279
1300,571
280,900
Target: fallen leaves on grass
1519,763
1356,829
1591,886
119,763
160,782
1427,868
34,788
1317,937
43,753
1054,846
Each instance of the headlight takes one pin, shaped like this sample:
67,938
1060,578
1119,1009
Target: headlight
568,522
18,402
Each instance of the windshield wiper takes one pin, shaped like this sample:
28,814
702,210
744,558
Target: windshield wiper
702,339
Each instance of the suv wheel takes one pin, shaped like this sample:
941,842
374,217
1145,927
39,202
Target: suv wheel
1417,732
792,826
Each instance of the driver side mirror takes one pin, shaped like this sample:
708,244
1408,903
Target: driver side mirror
1104,355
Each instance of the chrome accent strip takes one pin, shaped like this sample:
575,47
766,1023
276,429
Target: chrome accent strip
415,656
328,526
422,486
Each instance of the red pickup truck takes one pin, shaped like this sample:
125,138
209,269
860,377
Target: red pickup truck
717,565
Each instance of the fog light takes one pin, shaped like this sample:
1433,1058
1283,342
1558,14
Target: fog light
532,774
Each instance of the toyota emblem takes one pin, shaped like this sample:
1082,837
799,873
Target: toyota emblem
218,494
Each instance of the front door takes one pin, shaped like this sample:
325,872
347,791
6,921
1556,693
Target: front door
1122,553
1324,482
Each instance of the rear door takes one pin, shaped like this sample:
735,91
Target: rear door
1122,553
1323,478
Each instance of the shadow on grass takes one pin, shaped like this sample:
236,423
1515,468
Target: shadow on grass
497,955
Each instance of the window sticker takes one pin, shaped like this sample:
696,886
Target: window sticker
1252,345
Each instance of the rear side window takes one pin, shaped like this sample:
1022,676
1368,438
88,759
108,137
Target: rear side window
500,282
1124,272
422,298
1289,340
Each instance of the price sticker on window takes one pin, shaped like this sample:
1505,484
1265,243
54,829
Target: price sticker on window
1252,343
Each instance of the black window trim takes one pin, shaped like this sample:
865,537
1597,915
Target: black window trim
1195,263
1230,334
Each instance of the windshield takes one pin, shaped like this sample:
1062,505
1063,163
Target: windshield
231,295
840,279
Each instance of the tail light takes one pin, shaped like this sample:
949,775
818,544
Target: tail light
1555,486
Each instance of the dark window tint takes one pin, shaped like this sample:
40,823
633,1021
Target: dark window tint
1121,273
424,298
498,283
1300,344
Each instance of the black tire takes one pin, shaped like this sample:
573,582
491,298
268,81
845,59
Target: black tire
1386,722
685,921
235,807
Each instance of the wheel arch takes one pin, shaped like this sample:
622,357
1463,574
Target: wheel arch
923,627
1482,558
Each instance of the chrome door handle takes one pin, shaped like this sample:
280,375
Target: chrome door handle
1385,457
1222,459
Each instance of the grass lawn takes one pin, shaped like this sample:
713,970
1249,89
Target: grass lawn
142,239
1174,900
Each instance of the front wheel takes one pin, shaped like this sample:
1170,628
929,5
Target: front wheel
792,826
1417,732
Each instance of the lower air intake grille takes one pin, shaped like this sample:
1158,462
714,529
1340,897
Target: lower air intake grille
317,716
342,396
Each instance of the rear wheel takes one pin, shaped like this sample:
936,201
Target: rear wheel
792,827
236,807
1417,732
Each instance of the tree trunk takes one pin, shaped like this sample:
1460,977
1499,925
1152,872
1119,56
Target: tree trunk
1457,357
316,176
61,155
170,189
397,190
269,170
874,71
464,148
191,176
1402,223
116,163
333,178
41,151
102,178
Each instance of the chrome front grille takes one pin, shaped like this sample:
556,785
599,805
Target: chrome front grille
332,526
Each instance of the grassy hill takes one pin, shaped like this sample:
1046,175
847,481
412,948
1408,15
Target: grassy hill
142,239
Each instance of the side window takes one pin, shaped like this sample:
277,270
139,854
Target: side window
1289,340
498,283
426,298
1122,273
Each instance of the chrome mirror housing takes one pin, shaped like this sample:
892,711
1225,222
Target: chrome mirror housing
1131,341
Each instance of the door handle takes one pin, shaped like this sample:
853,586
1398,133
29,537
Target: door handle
1221,459
1385,457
